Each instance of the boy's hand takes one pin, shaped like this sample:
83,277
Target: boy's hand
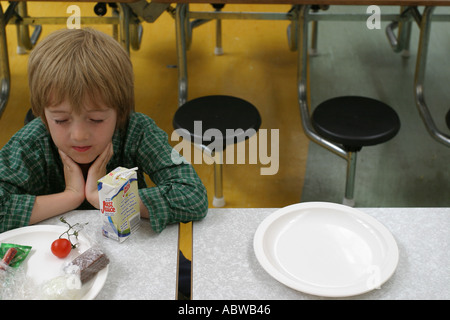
97,171
74,179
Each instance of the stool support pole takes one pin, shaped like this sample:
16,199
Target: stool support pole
303,86
350,181
419,79
180,29
218,51
218,200
4,64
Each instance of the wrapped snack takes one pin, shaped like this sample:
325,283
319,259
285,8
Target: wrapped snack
89,263
65,287
7,258
13,284
13,254
119,203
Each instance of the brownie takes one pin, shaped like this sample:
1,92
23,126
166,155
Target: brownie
90,263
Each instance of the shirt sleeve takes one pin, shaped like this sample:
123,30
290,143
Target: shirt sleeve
179,194
20,171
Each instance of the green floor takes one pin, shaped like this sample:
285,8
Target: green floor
412,169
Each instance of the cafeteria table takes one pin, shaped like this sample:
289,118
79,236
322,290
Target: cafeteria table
300,16
143,267
225,266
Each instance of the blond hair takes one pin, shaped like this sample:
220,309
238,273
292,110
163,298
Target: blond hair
80,64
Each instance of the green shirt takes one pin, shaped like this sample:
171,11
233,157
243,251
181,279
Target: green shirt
31,166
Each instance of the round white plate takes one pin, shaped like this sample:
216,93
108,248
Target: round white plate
41,265
326,249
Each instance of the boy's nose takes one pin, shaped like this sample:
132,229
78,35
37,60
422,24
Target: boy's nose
79,133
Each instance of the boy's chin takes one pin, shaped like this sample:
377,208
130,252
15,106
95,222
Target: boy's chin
84,163
84,160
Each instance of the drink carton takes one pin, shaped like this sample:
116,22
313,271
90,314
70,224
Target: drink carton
119,203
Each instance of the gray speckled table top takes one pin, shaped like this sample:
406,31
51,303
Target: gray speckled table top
225,265
142,267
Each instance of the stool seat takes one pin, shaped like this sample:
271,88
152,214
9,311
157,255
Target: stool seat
355,121
232,116
204,120
29,117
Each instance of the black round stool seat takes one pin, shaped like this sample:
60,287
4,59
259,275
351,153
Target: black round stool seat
447,119
355,121
29,116
233,119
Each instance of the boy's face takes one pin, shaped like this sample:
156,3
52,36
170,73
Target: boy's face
81,136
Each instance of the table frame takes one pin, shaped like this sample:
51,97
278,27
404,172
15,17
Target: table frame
320,2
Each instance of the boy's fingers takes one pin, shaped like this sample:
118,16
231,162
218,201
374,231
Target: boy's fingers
105,156
65,158
62,154
69,165
108,152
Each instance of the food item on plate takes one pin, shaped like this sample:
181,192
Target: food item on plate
7,258
61,247
19,256
12,278
72,231
61,288
90,263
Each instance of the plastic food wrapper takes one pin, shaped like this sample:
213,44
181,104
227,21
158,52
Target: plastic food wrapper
64,287
18,252
88,264
68,285
119,203
16,285
76,273
12,256
72,283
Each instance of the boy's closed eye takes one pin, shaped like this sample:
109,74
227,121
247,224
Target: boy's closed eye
62,121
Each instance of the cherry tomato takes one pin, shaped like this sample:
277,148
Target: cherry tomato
61,247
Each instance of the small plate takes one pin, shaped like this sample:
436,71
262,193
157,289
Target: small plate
326,249
41,265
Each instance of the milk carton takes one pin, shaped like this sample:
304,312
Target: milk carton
119,203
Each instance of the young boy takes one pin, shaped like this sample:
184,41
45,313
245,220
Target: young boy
81,87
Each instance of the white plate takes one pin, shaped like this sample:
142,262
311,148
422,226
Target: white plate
41,265
326,249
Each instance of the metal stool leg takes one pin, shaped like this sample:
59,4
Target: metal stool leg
181,24
314,39
4,64
219,200
218,51
124,26
24,41
350,181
